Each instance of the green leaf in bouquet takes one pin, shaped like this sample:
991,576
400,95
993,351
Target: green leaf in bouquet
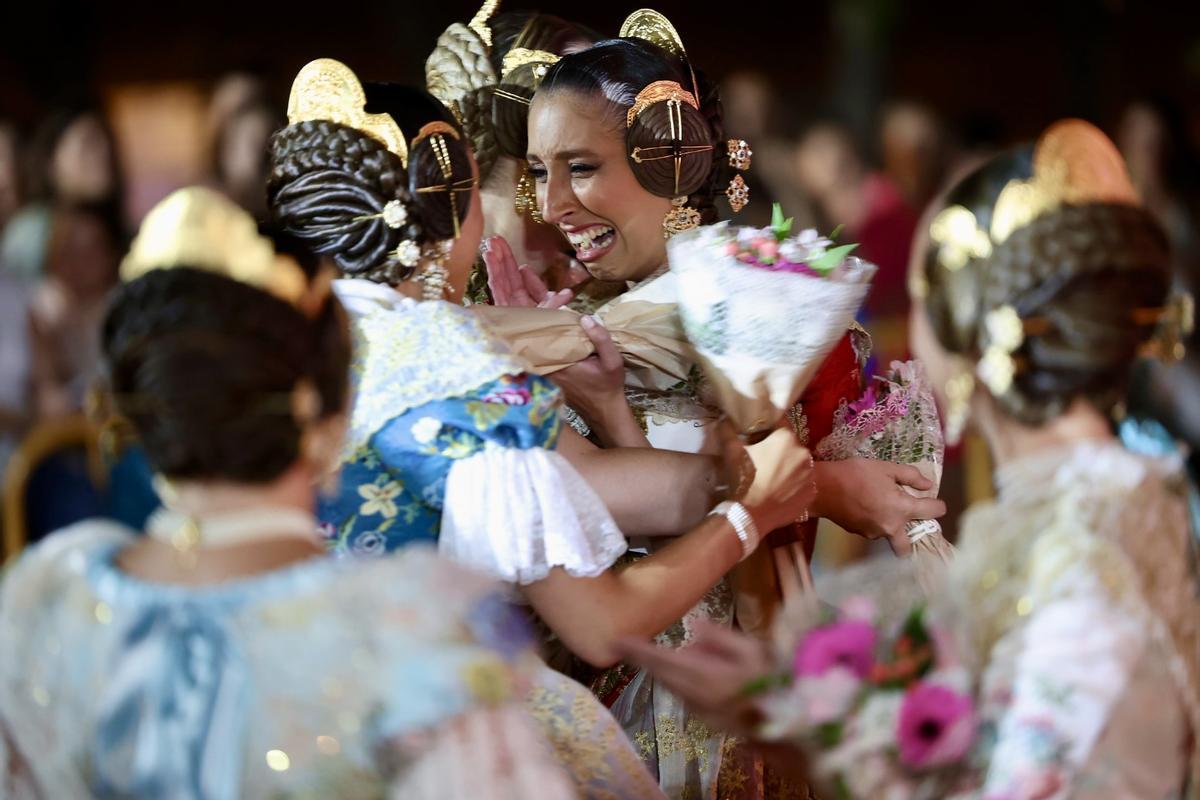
832,258
782,227
828,735
764,684
836,233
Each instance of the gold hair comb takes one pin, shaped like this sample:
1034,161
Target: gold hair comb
200,228
326,89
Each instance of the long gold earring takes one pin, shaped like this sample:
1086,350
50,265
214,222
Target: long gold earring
525,199
680,218
958,405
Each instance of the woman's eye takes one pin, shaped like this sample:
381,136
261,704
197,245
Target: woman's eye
582,169
538,173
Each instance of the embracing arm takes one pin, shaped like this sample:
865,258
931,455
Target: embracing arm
591,615
648,492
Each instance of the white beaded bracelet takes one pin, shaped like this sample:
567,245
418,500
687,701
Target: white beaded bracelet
743,525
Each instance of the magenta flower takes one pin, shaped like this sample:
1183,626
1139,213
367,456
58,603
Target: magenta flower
868,400
849,644
512,396
935,727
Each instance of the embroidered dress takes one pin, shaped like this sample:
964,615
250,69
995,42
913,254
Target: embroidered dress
690,759
451,443
321,679
1074,600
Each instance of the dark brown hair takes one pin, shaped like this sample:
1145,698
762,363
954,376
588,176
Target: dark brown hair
328,185
1083,272
203,366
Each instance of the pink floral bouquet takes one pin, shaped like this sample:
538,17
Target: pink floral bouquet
883,713
896,420
762,308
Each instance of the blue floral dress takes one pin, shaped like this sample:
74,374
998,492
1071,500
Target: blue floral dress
452,443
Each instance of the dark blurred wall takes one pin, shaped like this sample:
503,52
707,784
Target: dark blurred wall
1020,62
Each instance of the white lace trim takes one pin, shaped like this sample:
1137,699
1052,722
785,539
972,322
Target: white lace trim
517,514
407,354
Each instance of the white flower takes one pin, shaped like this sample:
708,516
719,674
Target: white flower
426,429
829,696
395,214
379,499
875,725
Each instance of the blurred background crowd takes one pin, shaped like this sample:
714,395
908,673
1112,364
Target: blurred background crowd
857,111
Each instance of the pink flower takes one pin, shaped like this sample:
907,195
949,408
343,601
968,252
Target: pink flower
849,644
731,248
514,396
769,249
935,727
868,400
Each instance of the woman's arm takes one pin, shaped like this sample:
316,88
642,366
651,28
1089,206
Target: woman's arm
591,615
648,492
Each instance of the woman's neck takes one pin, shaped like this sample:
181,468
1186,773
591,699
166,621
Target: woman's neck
292,489
1010,440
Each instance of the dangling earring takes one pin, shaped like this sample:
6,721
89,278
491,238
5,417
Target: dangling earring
434,276
958,405
680,218
525,200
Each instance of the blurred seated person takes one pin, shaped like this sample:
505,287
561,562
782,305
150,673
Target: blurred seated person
68,306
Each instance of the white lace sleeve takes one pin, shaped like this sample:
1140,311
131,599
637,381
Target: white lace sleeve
516,514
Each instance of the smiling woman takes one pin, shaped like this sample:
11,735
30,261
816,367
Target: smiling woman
605,171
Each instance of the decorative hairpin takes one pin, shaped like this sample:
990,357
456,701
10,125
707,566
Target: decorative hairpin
200,228
1175,322
326,89
436,132
659,92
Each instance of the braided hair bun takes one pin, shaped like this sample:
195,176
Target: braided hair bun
1080,276
345,194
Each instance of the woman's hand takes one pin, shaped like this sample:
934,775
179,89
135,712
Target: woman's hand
710,674
517,285
783,488
595,387
867,497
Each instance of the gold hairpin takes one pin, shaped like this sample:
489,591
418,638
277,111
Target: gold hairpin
659,92
327,89
200,228
520,56
436,132
683,150
516,98
437,127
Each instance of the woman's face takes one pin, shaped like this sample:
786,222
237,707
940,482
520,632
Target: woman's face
82,164
586,188
539,246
